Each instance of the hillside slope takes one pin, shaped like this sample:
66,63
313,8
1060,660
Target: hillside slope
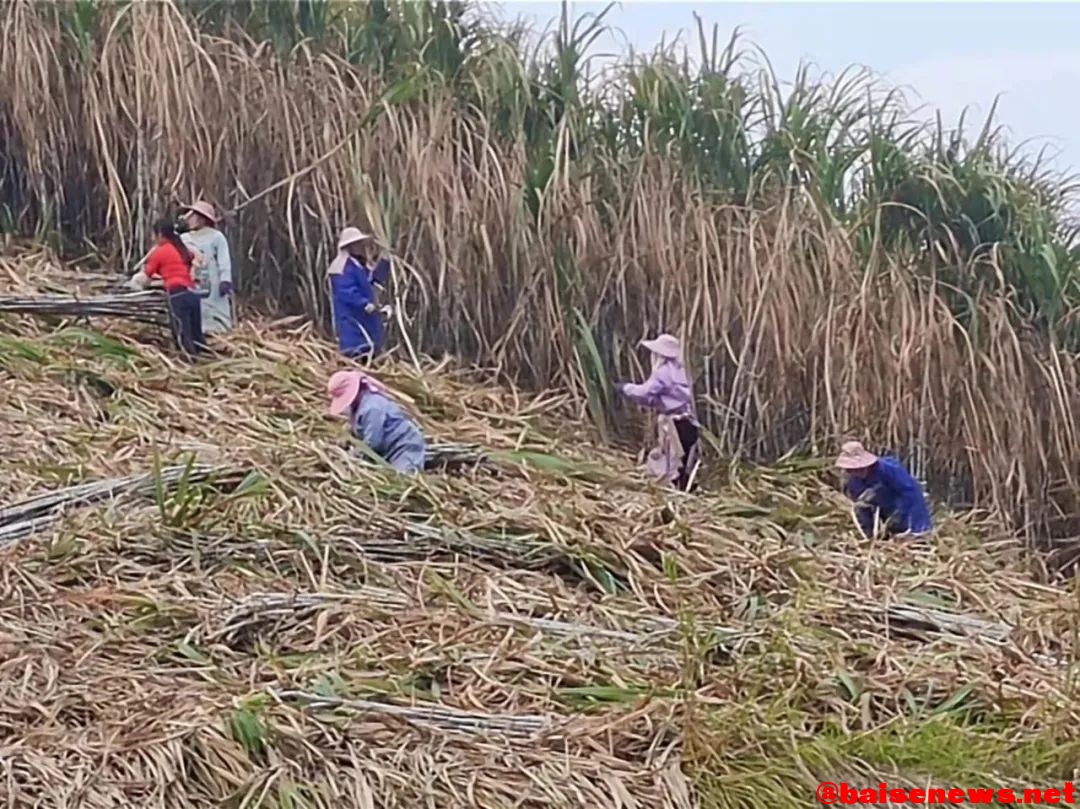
265,620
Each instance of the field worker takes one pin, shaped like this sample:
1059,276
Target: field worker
213,266
377,420
357,317
884,492
171,261
668,391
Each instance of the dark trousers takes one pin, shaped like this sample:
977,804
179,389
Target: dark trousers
688,436
363,356
185,316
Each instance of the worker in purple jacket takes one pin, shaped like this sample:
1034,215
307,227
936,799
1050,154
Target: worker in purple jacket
884,493
668,391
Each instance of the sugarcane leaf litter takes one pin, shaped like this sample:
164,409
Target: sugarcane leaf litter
207,597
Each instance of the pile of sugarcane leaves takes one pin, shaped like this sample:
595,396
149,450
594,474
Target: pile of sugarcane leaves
208,598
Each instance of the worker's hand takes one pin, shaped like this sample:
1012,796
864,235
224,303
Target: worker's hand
225,288
387,311
370,308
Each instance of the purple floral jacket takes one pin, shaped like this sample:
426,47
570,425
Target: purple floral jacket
669,393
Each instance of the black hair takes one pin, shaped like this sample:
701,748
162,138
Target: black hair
166,228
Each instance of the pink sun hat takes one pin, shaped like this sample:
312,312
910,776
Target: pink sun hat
345,386
665,345
854,456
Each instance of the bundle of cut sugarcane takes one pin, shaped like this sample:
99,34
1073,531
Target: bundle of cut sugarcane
22,519
443,717
444,455
260,609
143,307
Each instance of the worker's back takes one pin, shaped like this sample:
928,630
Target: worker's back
385,427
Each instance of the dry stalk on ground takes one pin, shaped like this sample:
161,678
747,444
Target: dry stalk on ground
282,625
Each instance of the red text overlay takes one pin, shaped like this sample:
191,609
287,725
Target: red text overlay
844,794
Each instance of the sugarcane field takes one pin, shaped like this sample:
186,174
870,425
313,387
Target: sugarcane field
398,411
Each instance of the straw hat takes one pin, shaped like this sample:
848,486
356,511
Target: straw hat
351,236
665,346
204,209
854,456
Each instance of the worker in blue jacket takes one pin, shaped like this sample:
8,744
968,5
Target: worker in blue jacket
357,317
377,420
884,493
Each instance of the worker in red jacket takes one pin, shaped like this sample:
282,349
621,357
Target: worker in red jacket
171,261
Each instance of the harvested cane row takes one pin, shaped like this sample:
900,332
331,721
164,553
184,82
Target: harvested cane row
140,307
222,604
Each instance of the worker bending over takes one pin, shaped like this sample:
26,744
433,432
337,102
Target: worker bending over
884,493
377,420
171,261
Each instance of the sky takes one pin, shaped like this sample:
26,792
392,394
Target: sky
947,56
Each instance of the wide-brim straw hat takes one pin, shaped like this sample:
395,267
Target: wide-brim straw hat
352,236
343,388
854,455
665,345
204,209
